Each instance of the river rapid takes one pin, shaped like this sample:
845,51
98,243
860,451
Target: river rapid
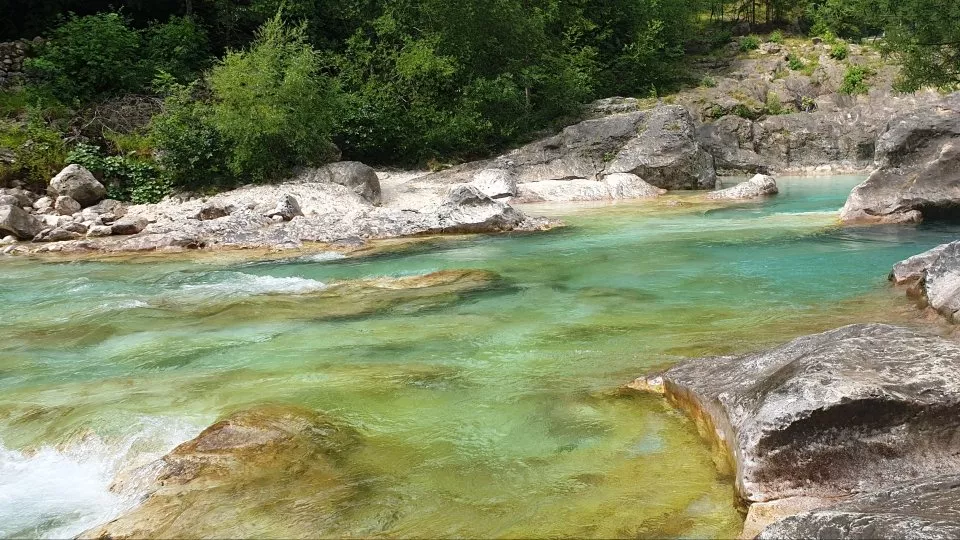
489,413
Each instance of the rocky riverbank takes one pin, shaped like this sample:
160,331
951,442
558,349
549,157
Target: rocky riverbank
828,427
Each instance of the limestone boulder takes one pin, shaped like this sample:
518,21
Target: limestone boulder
760,185
495,183
918,174
15,221
66,206
863,408
79,184
356,176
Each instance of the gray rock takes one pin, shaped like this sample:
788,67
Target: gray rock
759,186
17,222
919,169
576,189
43,205
286,209
941,282
915,268
78,183
360,178
109,206
8,240
24,197
630,186
215,210
78,228
9,200
666,152
858,409
922,509
128,226
66,206
99,231
467,210
496,183
731,141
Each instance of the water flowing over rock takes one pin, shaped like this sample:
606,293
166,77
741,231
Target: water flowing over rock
863,408
213,485
17,222
79,184
759,186
918,175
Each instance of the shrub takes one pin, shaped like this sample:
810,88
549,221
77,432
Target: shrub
272,106
774,106
708,82
178,47
855,81
126,178
749,43
776,37
839,51
89,57
38,153
795,63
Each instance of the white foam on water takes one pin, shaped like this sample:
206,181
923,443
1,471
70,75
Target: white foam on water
240,284
323,256
62,492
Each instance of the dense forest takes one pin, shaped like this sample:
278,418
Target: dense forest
203,94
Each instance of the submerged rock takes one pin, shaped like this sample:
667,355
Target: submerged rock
215,485
759,186
859,409
918,175
79,184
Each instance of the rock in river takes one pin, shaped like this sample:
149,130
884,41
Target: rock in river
760,185
919,169
859,409
17,222
933,276
216,485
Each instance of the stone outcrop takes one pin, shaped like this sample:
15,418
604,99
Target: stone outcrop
659,146
612,187
496,183
17,222
759,186
282,455
925,508
918,174
79,184
860,409
934,278
360,178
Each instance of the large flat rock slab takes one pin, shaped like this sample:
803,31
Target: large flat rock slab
859,409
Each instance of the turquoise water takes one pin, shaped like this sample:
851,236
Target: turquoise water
484,411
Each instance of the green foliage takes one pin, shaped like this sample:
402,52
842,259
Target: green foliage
38,153
749,43
839,51
855,81
795,62
89,57
708,82
192,153
178,47
127,178
272,105
773,105
776,37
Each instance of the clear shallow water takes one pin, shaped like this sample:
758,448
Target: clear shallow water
492,413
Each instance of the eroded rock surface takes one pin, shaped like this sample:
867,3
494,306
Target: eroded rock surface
79,184
17,222
934,277
918,174
860,409
923,509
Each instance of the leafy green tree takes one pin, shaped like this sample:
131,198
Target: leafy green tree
178,47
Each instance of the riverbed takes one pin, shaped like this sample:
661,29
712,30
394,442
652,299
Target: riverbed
490,413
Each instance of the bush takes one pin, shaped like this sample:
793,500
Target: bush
795,63
708,82
776,37
855,81
749,43
774,106
839,51
178,47
272,106
126,178
90,57
38,153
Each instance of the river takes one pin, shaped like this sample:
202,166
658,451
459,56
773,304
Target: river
482,414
